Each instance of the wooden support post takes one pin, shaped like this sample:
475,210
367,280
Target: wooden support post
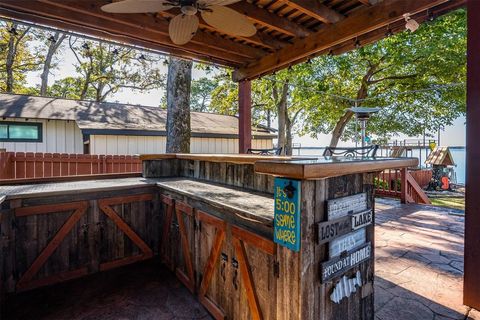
245,116
403,185
471,287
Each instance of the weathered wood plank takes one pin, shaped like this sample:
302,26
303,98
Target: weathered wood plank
52,246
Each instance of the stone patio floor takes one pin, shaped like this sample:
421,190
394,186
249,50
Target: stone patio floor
419,263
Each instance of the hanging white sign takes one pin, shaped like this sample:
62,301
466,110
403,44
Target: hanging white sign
347,242
341,264
341,207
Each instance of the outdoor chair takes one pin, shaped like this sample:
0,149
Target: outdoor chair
369,151
266,152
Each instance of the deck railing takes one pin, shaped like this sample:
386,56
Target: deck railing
399,183
29,165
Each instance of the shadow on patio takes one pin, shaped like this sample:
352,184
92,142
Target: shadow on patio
418,262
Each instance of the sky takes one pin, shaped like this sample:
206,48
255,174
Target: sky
453,135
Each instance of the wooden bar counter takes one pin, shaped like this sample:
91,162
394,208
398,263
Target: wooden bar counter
271,237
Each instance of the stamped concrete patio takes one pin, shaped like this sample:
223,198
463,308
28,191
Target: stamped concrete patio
419,263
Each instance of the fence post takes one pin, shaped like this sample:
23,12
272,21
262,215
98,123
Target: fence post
403,185
6,165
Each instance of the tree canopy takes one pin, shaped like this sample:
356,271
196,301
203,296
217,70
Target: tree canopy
105,69
417,79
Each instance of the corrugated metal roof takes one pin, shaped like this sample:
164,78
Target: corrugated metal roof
114,116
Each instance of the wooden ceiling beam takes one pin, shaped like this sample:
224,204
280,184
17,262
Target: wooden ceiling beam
363,21
259,39
74,27
365,2
270,19
150,23
89,21
315,9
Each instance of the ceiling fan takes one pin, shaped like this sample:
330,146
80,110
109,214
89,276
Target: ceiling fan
184,26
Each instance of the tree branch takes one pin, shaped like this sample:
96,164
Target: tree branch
397,77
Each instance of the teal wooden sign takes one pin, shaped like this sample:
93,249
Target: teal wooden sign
287,213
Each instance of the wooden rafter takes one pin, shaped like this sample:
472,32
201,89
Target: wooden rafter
269,19
259,39
74,27
366,2
289,31
363,21
315,9
126,27
150,24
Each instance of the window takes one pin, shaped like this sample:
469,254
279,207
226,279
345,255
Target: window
20,132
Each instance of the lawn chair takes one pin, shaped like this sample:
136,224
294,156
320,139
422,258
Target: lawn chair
266,152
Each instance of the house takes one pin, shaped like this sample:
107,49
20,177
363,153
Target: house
40,124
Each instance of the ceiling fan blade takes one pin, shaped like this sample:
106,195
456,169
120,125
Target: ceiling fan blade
136,6
217,2
229,21
182,28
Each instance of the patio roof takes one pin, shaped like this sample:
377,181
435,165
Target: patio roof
288,31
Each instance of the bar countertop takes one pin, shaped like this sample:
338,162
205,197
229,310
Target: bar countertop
300,167
324,167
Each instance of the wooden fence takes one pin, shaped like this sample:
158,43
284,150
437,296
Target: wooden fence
401,184
28,165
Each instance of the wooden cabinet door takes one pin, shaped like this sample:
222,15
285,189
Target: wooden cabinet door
255,290
236,270
184,221
213,254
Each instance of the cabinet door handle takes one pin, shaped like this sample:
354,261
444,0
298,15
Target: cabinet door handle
224,266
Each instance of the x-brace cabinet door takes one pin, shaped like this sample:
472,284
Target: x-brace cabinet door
213,253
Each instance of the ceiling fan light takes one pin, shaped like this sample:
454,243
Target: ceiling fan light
410,23
189,10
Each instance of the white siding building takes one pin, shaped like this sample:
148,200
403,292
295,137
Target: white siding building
38,124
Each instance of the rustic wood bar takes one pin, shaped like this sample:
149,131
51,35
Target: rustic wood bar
253,237
273,237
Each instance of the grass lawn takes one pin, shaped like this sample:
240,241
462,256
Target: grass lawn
449,202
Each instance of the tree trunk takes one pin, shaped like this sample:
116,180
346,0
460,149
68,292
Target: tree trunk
282,112
289,136
340,128
178,105
10,60
52,49
361,94
86,84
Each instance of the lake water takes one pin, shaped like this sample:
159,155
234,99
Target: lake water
458,154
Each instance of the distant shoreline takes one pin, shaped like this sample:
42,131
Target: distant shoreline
317,148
